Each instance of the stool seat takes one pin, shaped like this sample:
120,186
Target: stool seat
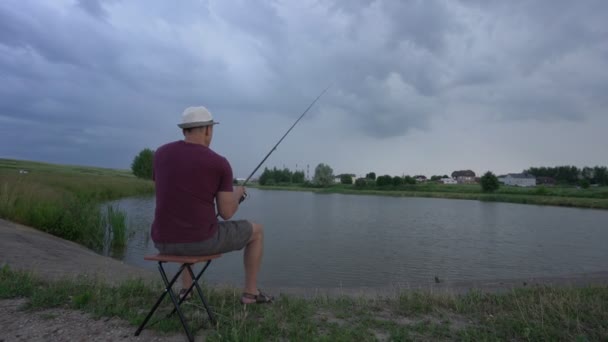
182,259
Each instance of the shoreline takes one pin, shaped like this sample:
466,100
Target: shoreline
28,249
529,199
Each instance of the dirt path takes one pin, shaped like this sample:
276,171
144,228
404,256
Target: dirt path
50,257
67,325
28,249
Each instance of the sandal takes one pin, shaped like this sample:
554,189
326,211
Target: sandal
260,298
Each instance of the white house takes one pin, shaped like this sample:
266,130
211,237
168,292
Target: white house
448,181
520,179
464,176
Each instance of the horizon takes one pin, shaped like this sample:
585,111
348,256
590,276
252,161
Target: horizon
255,178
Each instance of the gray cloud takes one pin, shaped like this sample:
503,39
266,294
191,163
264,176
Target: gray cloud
93,7
398,66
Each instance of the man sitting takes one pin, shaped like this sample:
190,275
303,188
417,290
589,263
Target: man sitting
191,180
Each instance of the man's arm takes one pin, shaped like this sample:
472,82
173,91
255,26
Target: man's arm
228,202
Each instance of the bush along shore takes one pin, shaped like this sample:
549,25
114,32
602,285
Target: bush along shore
537,313
596,197
66,201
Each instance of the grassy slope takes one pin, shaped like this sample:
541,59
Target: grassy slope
63,200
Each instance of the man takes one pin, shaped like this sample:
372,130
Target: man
191,180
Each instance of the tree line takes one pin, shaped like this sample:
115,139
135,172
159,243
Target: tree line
572,175
276,176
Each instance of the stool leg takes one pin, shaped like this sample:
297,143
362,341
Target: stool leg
176,304
200,291
168,286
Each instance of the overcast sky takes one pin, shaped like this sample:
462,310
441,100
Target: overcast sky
419,87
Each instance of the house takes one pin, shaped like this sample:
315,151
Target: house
464,176
520,179
24,172
448,181
338,178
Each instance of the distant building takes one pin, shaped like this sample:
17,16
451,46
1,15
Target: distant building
24,171
464,176
448,181
338,178
520,179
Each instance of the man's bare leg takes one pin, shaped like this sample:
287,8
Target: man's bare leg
186,279
252,258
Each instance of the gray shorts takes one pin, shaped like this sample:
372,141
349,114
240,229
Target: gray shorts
230,236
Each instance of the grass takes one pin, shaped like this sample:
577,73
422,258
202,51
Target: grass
66,200
539,313
595,197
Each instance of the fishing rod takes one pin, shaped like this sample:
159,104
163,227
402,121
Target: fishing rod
280,140
283,137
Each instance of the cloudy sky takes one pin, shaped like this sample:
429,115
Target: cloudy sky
419,87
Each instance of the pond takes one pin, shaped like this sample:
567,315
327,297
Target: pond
333,240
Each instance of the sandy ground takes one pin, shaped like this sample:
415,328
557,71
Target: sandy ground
67,325
25,248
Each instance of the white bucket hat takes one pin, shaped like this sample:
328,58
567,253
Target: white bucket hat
196,117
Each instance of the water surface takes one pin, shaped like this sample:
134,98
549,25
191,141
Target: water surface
333,240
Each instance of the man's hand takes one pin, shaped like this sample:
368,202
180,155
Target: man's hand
240,193
228,202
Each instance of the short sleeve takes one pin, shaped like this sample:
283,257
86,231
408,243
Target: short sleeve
226,178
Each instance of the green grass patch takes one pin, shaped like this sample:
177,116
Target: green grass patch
540,313
66,200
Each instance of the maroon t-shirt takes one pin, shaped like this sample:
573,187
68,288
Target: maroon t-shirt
188,177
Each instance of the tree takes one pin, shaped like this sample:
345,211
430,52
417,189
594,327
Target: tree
600,175
346,179
384,180
489,182
143,164
583,183
324,175
298,177
397,181
371,175
360,182
409,180
265,177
